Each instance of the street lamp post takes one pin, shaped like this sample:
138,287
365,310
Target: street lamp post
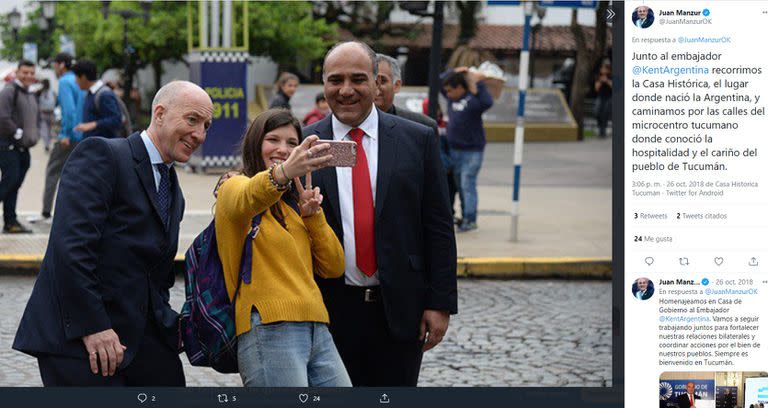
419,8
49,9
44,22
129,69
47,25
14,18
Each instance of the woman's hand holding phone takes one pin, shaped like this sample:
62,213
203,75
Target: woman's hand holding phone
344,152
304,158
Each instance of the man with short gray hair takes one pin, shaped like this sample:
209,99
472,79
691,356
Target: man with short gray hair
99,314
389,81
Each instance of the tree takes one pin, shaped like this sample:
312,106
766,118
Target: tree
12,46
368,21
463,54
286,31
161,38
468,11
283,31
587,60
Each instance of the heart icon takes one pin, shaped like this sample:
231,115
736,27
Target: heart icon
303,398
719,261
649,260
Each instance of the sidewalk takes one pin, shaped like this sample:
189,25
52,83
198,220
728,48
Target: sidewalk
564,225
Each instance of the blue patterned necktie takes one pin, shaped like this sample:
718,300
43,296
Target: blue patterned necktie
164,192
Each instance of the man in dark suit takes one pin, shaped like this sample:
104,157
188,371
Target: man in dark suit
389,81
688,400
642,289
391,213
99,312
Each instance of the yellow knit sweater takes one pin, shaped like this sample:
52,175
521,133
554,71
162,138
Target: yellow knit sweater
282,286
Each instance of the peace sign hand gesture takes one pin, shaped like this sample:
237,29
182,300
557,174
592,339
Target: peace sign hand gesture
309,198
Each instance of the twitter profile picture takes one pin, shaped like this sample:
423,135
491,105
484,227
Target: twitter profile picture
642,17
642,289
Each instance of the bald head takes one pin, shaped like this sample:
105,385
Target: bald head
176,89
348,48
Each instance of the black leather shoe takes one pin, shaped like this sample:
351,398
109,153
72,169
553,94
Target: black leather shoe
16,228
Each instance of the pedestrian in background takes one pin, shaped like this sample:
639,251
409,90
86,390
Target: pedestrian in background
445,157
319,112
604,90
18,133
285,87
468,98
101,111
280,318
70,102
46,102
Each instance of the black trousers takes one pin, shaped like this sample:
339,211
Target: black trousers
373,357
155,365
13,166
56,159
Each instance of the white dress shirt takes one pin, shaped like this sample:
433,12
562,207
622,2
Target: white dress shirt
95,87
154,157
352,274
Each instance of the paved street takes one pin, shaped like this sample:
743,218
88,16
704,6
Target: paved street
508,333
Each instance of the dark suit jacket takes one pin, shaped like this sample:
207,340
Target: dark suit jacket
415,243
109,256
415,117
684,402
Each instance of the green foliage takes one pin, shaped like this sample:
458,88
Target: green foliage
12,47
468,11
287,30
284,31
163,37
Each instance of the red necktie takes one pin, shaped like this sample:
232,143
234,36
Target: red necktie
691,399
362,197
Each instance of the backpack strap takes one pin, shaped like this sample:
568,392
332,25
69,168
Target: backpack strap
15,96
97,97
246,259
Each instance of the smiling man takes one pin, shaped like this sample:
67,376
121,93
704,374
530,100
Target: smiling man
18,132
642,17
99,312
391,214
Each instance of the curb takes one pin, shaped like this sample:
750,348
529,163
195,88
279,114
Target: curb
467,267
536,268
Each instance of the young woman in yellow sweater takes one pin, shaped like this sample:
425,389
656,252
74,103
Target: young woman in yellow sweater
280,318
